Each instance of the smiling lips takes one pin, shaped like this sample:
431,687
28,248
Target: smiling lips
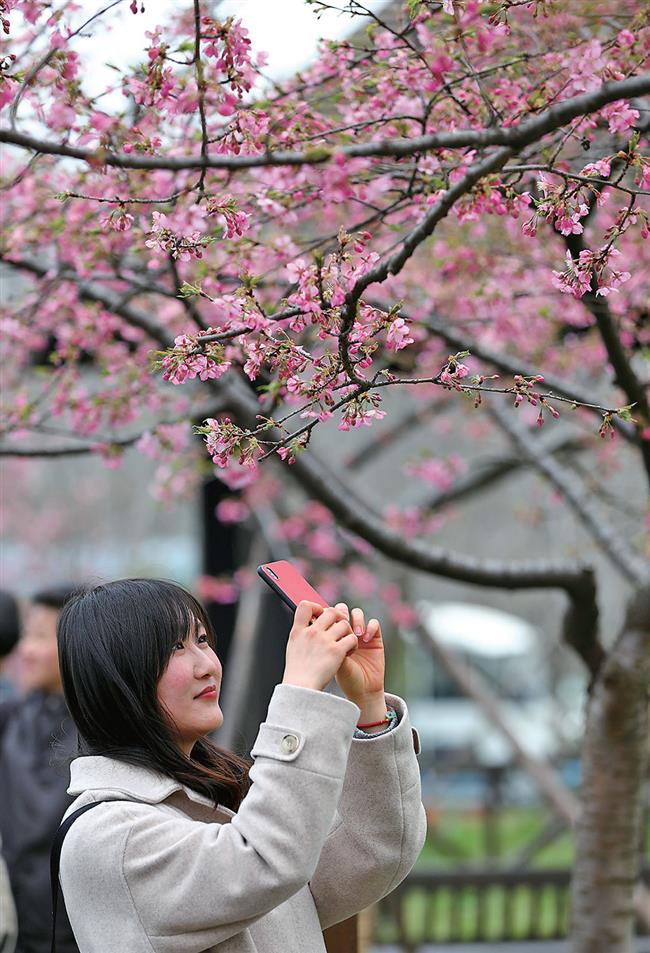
210,691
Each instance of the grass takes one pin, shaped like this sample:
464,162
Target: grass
465,831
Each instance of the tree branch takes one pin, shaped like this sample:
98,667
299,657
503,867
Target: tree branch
354,514
394,264
93,292
200,86
514,136
635,569
526,133
502,362
400,427
188,303
493,471
210,409
485,473
624,376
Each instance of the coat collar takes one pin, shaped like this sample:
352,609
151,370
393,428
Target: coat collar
98,773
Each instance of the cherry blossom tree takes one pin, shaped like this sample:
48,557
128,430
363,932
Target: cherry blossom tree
451,205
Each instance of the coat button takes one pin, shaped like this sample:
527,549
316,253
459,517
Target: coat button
289,744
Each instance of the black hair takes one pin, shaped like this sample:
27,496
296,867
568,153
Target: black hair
115,641
9,622
54,597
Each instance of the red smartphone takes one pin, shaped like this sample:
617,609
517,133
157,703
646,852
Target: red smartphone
287,582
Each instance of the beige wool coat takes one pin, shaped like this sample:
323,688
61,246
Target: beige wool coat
330,824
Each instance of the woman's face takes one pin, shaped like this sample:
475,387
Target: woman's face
188,690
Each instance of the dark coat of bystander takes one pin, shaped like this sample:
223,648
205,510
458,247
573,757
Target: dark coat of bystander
37,740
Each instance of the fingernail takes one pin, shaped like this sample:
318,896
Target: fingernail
358,630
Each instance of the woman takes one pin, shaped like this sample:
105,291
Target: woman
194,852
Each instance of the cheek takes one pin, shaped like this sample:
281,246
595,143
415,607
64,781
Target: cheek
174,683
40,653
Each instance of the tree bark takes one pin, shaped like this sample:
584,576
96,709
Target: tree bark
615,764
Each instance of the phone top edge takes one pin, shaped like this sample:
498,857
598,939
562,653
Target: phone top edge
276,589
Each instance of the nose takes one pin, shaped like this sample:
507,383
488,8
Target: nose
206,663
26,648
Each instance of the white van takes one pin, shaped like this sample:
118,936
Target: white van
510,656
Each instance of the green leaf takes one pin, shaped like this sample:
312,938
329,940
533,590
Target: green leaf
625,413
273,388
634,141
187,290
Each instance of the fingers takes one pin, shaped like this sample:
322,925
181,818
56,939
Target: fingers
340,629
358,623
349,643
356,619
365,633
337,615
332,615
328,617
305,612
372,631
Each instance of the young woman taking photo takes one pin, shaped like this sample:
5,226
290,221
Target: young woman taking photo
194,849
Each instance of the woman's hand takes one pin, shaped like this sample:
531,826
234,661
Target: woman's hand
361,675
318,643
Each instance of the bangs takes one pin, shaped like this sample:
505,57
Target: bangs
177,615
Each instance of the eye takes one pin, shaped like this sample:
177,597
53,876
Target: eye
180,643
204,639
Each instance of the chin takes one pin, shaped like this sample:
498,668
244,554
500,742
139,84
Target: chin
213,723
218,721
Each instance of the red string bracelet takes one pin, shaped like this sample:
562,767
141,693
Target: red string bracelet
375,724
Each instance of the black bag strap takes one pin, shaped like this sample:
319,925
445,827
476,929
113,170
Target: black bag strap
55,856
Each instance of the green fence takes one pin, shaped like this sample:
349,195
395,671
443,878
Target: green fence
482,906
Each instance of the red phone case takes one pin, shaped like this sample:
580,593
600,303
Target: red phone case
287,582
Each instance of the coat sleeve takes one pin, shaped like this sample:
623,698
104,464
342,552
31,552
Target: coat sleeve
193,885
380,824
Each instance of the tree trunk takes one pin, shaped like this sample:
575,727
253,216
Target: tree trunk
615,762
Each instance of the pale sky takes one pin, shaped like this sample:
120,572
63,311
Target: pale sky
288,30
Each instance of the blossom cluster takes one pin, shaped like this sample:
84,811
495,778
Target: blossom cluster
525,389
591,269
227,45
236,222
361,411
454,371
563,207
188,360
225,439
161,237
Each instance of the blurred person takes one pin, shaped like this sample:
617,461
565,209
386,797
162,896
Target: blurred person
9,633
184,846
8,919
37,739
